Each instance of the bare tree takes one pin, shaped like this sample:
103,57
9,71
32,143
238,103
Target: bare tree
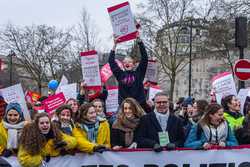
86,34
163,29
40,49
85,38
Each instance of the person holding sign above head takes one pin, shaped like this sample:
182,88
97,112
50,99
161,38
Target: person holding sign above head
232,113
130,80
92,134
10,129
160,129
211,131
42,139
124,128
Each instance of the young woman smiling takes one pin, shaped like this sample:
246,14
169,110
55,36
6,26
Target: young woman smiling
212,130
124,128
10,129
92,134
42,139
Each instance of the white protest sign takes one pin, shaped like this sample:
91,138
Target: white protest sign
15,94
64,81
69,91
112,100
223,85
153,90
141,158
123,22
90,68
242,95
151,73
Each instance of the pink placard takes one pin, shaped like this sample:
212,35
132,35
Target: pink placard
106,72
53,102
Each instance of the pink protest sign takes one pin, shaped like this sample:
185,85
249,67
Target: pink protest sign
106,72
123,22
53,102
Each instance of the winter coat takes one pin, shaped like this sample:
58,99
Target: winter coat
130,83
243,133
84,145
235,120
196,139
28,160
149,127
3,137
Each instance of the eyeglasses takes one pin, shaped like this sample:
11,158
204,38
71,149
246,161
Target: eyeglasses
163,102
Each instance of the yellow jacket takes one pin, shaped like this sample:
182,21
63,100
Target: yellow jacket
3,137
103,137
28,160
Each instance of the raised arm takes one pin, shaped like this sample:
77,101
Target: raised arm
144,59
113,65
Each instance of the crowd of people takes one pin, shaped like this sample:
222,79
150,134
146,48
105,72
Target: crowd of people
84,125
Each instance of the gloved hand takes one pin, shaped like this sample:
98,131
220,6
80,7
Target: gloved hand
7,153
170,146
157,148
63,152
47,158
60,144
100,148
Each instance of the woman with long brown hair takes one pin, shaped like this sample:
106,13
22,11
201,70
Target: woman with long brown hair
212,130
124,128
91,133
42,139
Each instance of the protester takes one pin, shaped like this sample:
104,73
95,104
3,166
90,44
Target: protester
10,129
130,81
198,109
243,133
99,108
65,122
124,128
92,134
41,140
160,128
232,111
88,95
178,105
3,106
74,107
246,109
212,130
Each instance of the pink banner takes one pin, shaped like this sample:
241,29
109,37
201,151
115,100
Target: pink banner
106,72
53,102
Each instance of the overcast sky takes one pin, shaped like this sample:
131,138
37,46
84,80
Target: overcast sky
61,13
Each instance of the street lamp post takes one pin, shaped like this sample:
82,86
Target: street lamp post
190,58
11,54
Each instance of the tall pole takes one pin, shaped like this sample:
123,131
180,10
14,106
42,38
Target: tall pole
241,83
190,57
241,39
